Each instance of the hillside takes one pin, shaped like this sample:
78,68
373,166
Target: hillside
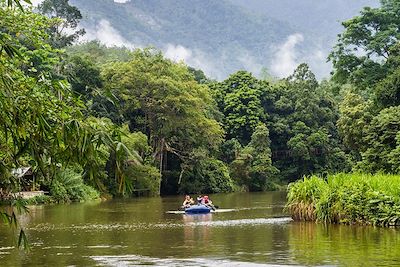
222,37
213,35
319,17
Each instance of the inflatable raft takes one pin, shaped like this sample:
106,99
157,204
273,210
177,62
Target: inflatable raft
197,209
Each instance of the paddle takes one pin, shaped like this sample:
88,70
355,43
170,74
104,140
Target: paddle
213,207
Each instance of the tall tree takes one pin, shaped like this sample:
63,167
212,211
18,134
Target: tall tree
262,172
66,19
83,76
355,116
363,53
162,99
382,143
239,99
252,167
387,91
302,120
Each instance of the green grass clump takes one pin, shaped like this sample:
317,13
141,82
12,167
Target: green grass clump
302,197
347,198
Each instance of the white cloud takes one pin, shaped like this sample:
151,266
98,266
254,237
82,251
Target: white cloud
107,35
192,57
285,60
177,53
250,63
121,1
317,62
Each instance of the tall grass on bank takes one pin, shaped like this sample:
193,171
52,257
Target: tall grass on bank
346,198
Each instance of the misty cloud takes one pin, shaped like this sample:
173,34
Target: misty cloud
317,61
250,63
285,60
177,53
194,58
107,35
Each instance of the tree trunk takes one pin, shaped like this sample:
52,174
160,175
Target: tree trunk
161,158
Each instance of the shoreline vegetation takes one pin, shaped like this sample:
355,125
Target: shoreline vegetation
355,198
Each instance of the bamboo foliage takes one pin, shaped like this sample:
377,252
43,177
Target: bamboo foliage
41,123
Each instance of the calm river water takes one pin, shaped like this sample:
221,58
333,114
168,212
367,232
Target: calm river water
251,229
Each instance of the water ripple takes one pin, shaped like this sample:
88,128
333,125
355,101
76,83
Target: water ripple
257,221
143,226
136,260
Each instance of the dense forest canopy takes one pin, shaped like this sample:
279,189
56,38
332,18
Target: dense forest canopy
91,119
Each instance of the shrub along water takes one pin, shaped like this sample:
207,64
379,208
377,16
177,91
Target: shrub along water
347,198
67,186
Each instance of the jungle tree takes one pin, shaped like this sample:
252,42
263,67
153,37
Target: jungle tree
162,99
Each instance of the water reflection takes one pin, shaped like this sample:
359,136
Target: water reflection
313,244
190,219
196,235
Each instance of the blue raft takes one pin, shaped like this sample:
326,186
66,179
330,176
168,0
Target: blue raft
198,209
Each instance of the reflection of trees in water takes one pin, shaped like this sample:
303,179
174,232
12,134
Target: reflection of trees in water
196,235
315,244
36,213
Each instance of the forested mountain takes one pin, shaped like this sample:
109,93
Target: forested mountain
323,18
212,35
221,37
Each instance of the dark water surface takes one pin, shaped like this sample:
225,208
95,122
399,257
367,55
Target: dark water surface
251,229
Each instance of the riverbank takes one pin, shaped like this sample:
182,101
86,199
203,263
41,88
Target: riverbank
57,195
346,198
48,199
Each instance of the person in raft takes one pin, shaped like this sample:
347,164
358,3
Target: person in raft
206,201
187,202
200,200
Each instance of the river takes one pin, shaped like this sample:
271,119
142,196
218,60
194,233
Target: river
250,229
